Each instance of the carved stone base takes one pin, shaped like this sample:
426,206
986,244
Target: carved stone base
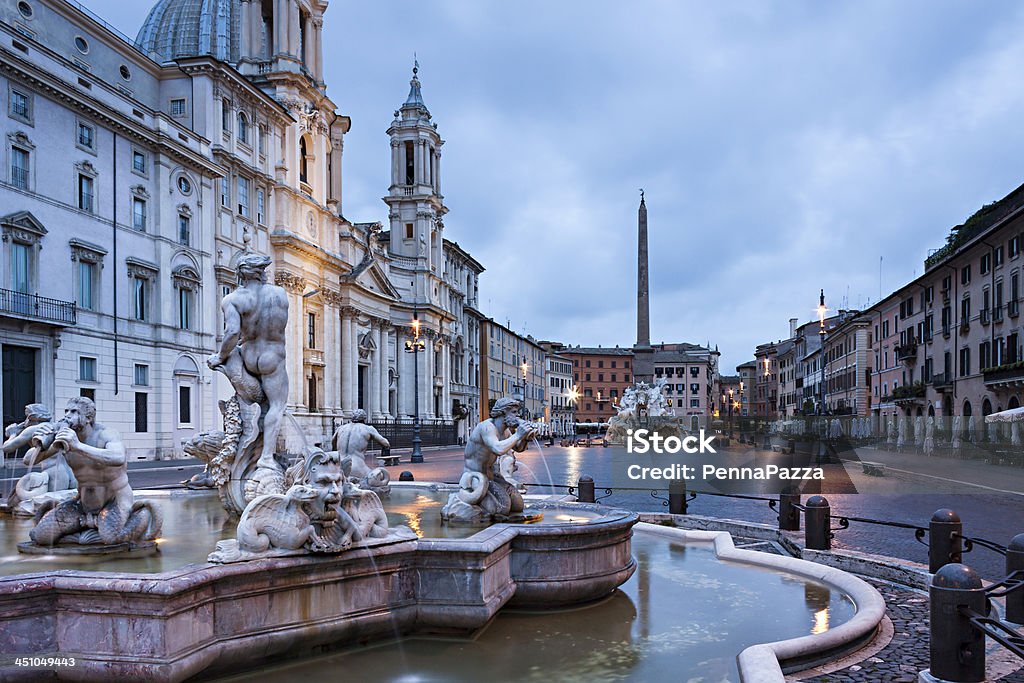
140,549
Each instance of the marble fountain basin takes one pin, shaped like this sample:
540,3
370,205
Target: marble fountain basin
174,616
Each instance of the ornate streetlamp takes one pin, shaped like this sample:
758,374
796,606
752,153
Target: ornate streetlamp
524,367
414,347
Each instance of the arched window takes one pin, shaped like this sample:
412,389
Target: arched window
243,128
967,408
303,161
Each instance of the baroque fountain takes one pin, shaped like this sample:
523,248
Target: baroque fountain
643,406
316,552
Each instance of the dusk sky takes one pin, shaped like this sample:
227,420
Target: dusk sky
783,147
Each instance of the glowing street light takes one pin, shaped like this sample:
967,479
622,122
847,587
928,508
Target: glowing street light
414,346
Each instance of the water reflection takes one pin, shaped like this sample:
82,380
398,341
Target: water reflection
684,616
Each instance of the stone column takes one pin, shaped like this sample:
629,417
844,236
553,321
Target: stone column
349,354
318,48
396,151
385,406
424,153
293,29
446,391
437,181
405,378
373,406
331,365
280,26
246,48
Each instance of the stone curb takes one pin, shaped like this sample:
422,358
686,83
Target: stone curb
764,663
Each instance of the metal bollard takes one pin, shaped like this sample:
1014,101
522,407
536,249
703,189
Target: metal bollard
789,516
677,497
767,442
406,476
818,520
586,489
945,544
957,648
1015,562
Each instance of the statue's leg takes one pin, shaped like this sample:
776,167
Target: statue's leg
60,521
275,386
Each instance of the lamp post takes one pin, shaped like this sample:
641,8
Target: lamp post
414,347
574,396
821,335
524,367
730,412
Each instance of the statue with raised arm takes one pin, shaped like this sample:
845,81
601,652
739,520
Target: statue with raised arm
54,481
353,441
485,495
104,512
252,356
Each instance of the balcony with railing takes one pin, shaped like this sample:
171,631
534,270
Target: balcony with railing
907,352
942,382
1005,376
26,306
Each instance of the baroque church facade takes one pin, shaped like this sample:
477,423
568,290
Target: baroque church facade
136,172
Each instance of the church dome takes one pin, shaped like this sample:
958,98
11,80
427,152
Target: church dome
189,28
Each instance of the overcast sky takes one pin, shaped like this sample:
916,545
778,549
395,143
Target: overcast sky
784,147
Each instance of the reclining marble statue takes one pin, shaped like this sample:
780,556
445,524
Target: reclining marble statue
320,512
352,440
484,494
104,512
54,481
252,356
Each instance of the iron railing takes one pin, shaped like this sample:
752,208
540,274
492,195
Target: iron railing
23,305
432,432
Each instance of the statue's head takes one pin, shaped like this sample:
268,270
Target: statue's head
505,406
321,471
359,415
252,267
37,412
80,411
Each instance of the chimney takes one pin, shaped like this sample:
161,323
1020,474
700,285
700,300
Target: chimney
792,326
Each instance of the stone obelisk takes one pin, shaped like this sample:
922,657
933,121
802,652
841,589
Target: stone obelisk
643,354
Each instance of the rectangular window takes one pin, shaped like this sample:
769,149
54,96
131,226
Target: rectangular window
694,388
20,264
141,411
997,257
965,275
141,375
185,316
243,196
965,311
178,107
184,405
965,362
986,263
695,403
1014,246
86,136
85,193
138,161
21,106
140,298
225,192
225,118
263,141
408,231
261,207
184,229
87,369
311,330
86,279
139,214
19,168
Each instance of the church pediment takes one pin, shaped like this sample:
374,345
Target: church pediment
366,345
371,277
